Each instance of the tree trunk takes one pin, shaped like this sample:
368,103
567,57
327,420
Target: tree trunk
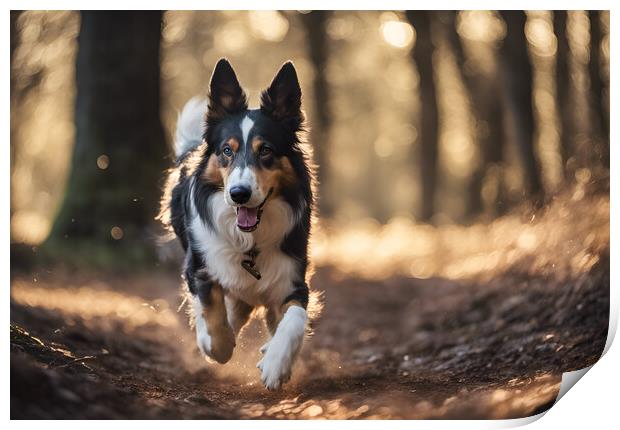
516,73
120,150
600,112
14,35
316,37
564,91
423,57
487,111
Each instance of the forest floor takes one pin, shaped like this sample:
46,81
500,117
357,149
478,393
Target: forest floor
490,344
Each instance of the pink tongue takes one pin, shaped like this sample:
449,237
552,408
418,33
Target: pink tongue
247,217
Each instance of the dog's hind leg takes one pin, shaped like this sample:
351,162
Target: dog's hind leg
214,335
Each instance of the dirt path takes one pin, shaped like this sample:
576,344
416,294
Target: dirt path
87,347
419,322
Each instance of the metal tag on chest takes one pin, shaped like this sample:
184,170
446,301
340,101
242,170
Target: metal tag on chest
249,266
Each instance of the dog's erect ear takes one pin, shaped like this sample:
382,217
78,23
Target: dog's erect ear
282,100
226,97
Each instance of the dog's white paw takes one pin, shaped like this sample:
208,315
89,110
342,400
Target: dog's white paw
203,340
276,365
281,351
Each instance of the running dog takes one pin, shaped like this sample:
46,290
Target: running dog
240,199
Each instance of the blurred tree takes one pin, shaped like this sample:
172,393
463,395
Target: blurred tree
13,28
14,35
423,57
314,23
14,43
119,153
597,87
482,92
516,74
564,93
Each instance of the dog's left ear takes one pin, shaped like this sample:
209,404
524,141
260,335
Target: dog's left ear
282,100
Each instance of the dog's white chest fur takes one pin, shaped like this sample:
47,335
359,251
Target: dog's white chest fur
223,249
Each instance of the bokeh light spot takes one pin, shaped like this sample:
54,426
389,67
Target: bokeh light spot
103,161
231,38
29,226
117,233
397,33
268,25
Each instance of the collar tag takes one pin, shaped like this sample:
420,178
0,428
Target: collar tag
250,265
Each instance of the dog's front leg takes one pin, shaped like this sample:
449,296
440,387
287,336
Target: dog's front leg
288,326
214,336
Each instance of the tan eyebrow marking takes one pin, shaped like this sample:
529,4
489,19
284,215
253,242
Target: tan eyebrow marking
234,144
256,143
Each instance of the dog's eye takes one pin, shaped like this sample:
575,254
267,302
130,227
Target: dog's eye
265,151
227,151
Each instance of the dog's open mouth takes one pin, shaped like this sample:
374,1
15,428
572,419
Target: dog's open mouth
247,218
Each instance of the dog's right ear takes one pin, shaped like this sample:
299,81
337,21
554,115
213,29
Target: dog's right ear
282,100
226,97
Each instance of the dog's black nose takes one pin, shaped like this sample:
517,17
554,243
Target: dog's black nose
240,194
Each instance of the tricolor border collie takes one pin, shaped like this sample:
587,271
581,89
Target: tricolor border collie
240,200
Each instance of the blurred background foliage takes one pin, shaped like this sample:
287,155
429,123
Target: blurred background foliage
416,117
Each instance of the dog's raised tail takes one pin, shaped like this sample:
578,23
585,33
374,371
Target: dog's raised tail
190,126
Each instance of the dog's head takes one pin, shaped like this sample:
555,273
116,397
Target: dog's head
251,152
